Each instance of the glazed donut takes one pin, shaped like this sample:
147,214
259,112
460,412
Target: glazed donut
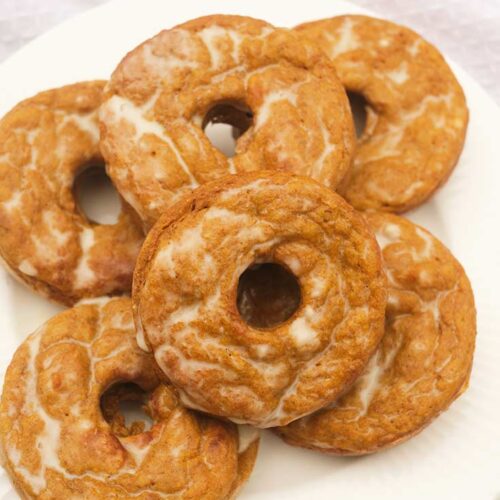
186,287
424,360
162,94
56,443
416,110
45,240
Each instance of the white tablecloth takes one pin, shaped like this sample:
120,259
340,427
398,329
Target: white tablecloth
467,31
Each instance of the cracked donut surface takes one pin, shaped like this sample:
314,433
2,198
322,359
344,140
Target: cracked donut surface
424,360
161,93
416,110
185,294
45,240
55,442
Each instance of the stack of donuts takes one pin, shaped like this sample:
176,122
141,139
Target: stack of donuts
275,288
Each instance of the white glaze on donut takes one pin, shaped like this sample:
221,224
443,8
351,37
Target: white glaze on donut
424,359
53,431
195,269
45,239
153,137
247,436
416,114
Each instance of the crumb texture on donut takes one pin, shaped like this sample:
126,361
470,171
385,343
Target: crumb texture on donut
185,287
45,240
160,94
416,110
424,360
56,443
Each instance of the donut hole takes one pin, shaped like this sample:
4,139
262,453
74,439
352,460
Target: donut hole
358,109
268,295
225,123
95,195
124,407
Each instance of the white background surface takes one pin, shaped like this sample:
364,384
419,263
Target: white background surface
468,31
458,456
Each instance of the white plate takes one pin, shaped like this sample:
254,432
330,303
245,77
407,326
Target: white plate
458,456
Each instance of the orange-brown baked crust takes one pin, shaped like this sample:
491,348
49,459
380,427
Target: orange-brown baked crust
45,240
185,287
424,360
160,94
55,442
416,112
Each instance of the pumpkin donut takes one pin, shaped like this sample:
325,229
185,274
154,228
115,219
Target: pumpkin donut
56,443
424,360
189,310
273,85
45,240
416,110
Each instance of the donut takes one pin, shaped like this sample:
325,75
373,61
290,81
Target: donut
279,87
45,240
191,313
425,357
56,442
416,114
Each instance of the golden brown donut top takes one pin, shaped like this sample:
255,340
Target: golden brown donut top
425,357
159,96
44,238
55,442
416,110
185,288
